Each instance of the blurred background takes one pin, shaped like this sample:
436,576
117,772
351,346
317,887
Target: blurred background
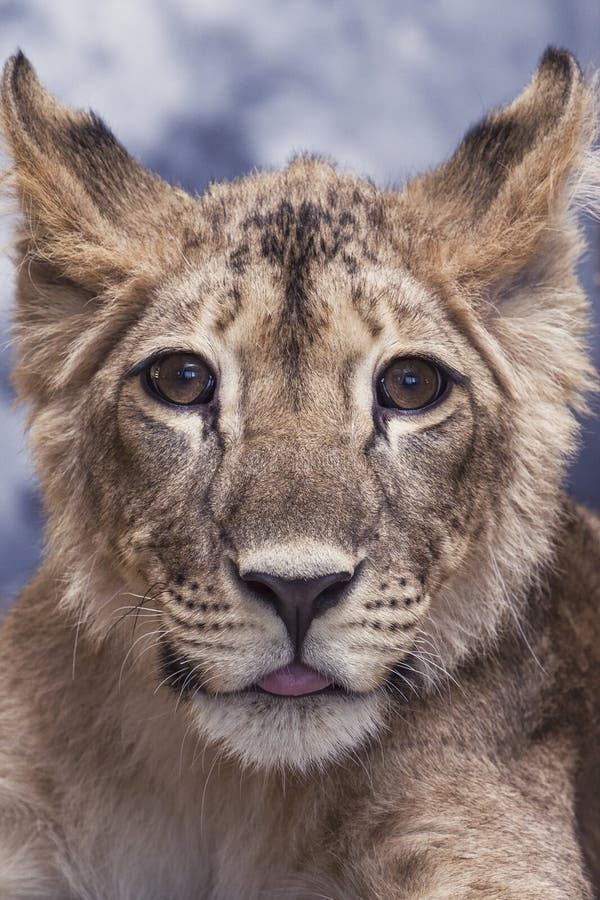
202,90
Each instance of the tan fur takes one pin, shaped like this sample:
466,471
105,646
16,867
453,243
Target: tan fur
460,760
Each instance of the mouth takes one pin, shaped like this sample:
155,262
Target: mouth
295,680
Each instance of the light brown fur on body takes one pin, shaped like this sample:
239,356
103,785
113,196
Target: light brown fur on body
458,757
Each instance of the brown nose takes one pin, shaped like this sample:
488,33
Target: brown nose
298,601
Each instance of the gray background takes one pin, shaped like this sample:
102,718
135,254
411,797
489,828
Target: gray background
207,90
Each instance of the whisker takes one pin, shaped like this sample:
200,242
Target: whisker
161,632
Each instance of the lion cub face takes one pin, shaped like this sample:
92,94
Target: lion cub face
282,508
290,422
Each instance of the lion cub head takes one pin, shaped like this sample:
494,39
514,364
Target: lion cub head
317,428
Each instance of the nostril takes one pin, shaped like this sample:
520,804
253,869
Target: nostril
260,590
333,594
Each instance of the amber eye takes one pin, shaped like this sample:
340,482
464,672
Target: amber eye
181,378
411,384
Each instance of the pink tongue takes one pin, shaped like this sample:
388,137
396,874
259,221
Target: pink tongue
293,680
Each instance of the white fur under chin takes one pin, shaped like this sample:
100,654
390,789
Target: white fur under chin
301,733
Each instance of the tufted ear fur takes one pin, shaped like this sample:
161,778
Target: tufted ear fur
496,229
507,190
94,227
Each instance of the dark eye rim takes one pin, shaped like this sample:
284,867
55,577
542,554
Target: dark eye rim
447,378
151,386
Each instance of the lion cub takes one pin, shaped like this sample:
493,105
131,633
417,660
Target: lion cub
315,618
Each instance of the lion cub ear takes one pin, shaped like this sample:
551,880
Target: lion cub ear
90,213
95,233
506,194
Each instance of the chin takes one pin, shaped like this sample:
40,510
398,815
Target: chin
271,733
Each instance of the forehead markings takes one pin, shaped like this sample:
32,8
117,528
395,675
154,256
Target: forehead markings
295,240
366,305
229,309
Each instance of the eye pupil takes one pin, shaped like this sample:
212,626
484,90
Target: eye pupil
411,384
181,378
